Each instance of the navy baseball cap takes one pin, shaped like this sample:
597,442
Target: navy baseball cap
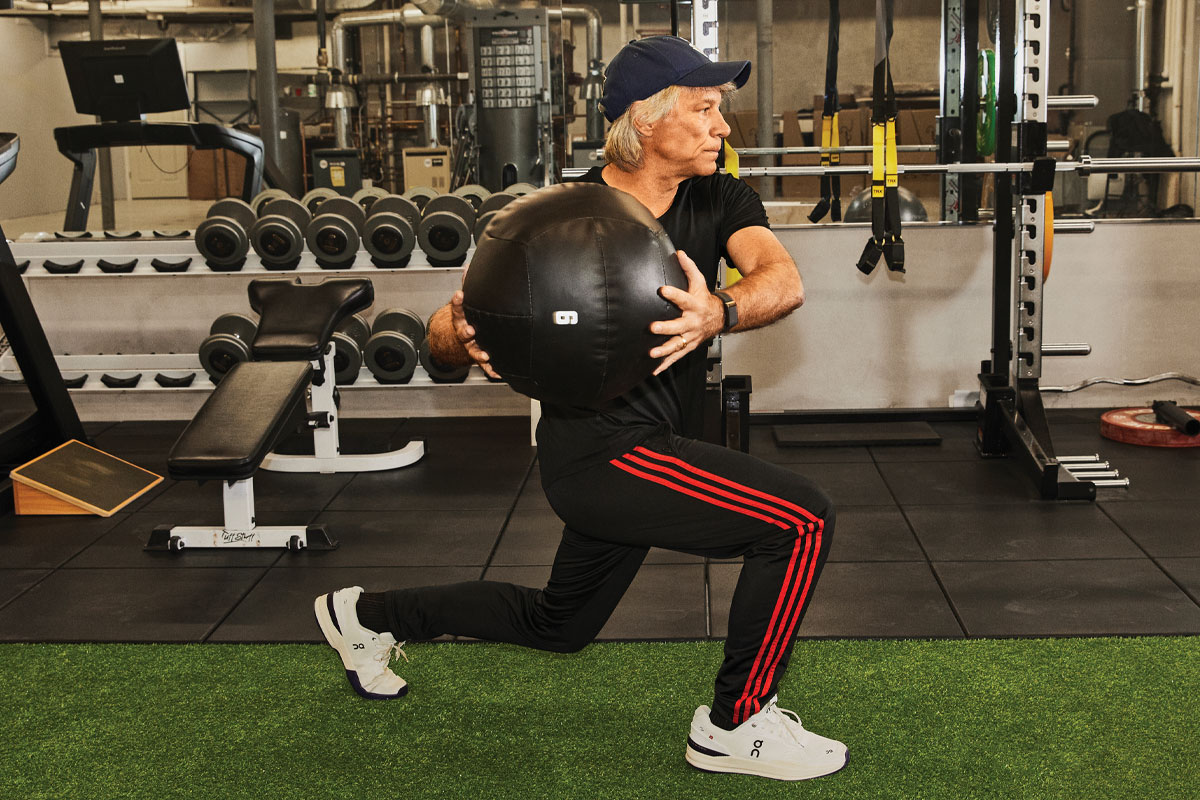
647,66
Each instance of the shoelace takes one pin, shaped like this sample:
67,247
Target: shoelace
788,720
386,655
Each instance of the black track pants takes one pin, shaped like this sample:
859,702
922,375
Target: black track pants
673,493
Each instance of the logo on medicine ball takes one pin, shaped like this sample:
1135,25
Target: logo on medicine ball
566,318
758,743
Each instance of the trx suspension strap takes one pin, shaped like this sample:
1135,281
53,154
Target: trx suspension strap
885,192
831,185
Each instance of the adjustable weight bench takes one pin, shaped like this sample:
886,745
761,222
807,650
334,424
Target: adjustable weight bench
258,401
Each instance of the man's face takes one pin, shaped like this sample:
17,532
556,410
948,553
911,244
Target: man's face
692,134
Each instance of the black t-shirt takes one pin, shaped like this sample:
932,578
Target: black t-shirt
705,213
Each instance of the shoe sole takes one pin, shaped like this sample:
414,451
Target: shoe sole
746,766
334,638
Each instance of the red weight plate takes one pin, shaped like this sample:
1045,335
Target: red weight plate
1139,426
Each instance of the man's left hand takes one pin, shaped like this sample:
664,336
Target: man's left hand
702,316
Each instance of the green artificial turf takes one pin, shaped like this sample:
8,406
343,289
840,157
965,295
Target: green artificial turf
1074,718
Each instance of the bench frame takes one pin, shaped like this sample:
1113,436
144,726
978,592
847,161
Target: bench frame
327,455
240,529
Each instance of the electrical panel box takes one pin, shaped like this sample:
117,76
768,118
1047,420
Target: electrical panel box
426,166
340,170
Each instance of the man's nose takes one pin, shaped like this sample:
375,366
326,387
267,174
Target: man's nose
721,128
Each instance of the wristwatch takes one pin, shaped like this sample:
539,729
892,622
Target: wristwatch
731,315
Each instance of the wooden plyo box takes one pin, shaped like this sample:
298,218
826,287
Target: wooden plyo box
75,478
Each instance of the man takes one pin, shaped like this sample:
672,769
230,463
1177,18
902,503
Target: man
627,477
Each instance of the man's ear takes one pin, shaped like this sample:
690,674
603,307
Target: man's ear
643,128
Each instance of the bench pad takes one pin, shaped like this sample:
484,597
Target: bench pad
240,422
298,319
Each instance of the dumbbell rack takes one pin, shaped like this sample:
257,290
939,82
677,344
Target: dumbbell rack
150,322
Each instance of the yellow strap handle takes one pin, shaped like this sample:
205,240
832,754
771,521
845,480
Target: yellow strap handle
1048,250
731,159
878,163
835,158
891,161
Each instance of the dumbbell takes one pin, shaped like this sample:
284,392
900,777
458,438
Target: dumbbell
348,342
437,371
367,196
390,232
278,235
473,192
420,195
333,233
222,237
444,232
228,343
391,354
266,196
488,209
315,197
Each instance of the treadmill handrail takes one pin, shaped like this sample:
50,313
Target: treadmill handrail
80,142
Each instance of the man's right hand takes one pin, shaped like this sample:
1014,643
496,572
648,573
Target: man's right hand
465,334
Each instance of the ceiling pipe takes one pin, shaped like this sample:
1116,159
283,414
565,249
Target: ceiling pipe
593,85
343,99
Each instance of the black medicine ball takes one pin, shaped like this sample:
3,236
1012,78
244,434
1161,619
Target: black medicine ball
563,288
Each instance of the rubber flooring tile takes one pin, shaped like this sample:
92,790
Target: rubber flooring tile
37,542
175,604
1163,528
1030,531
1067,598
427,538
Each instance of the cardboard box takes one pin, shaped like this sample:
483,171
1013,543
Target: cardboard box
214,174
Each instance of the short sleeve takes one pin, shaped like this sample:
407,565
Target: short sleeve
739,206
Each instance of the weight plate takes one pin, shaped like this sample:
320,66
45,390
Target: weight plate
440,373
288,207
317,196
234,209
520,188
496,202
395,204
391,357
333,239
347,359
401,320
344,207
420,195
366,197
444,236
278,241
235,324
222,241
266,196
219,354
482,223
1140,426
355,326
451,204
473,192
389,238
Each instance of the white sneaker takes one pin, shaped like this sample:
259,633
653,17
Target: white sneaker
366,655
772,743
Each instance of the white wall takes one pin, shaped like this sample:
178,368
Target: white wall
891,341
35,100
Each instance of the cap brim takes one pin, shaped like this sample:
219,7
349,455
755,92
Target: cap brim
717,73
